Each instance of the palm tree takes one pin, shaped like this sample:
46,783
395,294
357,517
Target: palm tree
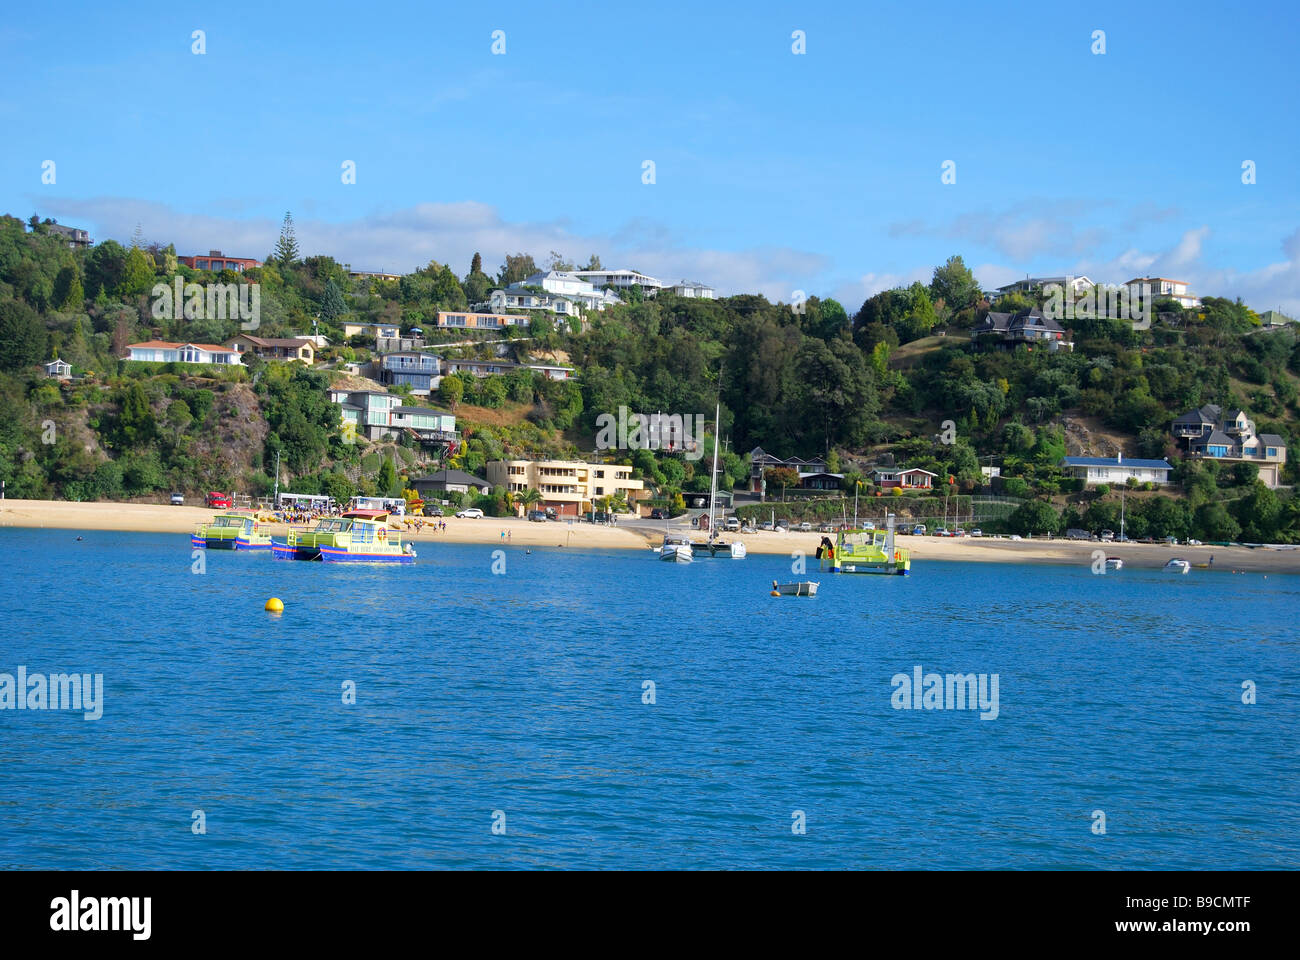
528,497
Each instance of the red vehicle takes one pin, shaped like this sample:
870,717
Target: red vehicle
219,501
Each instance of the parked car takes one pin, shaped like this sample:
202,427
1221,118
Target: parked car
918,530
1108,535
470,513
940,531
535,516
731,524
1172,541
977,532
658,514
783,526
826,528
868,524
1194,543
178,499
1074,533
1015,536
219,501
765,525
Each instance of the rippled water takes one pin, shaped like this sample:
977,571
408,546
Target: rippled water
522,693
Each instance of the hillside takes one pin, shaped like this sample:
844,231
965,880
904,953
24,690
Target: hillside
876,386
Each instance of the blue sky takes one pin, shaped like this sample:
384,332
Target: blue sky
774,171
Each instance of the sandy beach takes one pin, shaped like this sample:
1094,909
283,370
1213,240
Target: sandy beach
161,518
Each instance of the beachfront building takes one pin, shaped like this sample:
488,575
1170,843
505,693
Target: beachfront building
1229,437
468,320
433,485
821,480
165,351
1116,469
568,487
1027,327
217,261
1163,288
906,478
58,369
421,371
286,349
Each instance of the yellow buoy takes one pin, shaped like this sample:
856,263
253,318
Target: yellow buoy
274,605
776,593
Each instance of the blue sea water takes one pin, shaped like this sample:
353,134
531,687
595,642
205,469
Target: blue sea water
521,694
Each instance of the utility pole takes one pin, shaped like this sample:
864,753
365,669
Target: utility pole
276,501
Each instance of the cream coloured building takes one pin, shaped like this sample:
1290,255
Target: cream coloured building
569,487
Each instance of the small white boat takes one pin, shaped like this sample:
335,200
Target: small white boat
1114,563
1177,565
803,588
676,550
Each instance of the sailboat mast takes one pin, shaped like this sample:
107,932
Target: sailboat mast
713,480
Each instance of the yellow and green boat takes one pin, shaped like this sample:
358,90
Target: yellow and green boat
866,551
358,536
231,531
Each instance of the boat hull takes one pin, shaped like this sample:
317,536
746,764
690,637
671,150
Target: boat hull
227,543
676,554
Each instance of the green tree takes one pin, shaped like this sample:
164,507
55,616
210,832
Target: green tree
955,285
68,293
137,274
386,480
332,304
1034,517
286,248
451,390
23,340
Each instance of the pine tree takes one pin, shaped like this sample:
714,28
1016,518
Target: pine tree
476,265
286,248
332,304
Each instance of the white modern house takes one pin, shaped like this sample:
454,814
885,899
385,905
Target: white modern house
1162,287
687,288
516,298
1072,285
163,351
1094,470
620,280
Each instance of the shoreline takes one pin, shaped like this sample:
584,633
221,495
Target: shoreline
161,518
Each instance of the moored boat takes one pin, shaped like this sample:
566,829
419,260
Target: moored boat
865,551
676,549
231,531
1177,565
801,588
1114,563
358,536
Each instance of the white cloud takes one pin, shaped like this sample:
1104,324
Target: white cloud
451,233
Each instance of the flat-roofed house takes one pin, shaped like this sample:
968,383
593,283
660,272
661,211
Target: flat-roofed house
449,481
422,372
1163,288
568,487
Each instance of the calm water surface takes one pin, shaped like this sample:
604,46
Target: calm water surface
522,693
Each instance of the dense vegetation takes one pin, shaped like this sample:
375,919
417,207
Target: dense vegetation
897,378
